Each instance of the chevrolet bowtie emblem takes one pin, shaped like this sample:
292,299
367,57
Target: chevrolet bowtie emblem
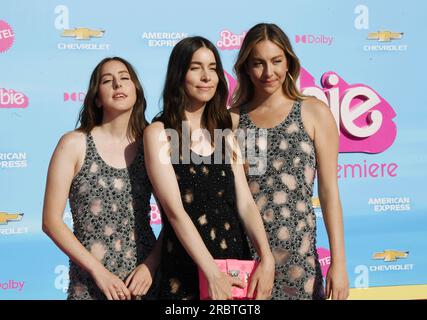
315,202
6,217
82,33
385,36
390,255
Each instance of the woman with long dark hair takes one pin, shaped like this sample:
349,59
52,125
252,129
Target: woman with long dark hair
206,201
100,168
302,137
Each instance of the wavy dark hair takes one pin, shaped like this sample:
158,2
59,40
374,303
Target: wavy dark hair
215,114
265,31
91,116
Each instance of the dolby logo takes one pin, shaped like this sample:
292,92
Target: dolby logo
312,39
74,96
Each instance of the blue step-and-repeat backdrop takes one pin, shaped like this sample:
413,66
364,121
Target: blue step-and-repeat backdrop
363,58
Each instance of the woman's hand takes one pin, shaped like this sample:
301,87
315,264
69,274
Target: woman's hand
140,280
263,279
337,286
220,284
111,285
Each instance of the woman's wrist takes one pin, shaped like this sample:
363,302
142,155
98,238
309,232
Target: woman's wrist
267,257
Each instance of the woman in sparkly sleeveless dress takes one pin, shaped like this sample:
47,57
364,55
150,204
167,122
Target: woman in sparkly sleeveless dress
299,137
207,205
100,168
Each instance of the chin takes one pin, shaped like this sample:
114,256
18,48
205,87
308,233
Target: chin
271,90
204,98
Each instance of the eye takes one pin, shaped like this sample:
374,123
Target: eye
125,78
106,81
277,61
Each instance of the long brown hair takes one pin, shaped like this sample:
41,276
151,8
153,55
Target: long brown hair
91,116
265,31
215,114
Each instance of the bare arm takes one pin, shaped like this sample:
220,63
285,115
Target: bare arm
262,280
62,169
326,142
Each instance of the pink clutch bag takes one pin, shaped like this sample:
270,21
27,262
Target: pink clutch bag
242,269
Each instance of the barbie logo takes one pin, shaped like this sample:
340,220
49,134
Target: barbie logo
364,118
12,99
230,41
156,218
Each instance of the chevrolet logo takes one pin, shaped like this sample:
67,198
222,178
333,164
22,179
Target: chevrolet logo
315,202
385,36
390,255
6,217
82,33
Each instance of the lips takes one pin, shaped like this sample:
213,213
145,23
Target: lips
119,95
204,88
269,82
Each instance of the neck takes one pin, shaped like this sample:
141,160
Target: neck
116,125
193,113
262,99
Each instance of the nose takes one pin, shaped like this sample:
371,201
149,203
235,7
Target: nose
116,83
205,76
268,70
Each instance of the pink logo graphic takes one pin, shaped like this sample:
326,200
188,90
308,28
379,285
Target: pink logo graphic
155,217
314,39
7,36
230,41
12,99
74,96
232,83
364,118
324,260
12,285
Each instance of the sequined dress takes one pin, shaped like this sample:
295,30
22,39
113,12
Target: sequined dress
283,195
208,195
111,218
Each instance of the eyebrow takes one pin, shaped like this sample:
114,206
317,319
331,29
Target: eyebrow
261,59
110,74
199,63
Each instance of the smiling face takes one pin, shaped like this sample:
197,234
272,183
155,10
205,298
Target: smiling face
267,67
201,79
116,91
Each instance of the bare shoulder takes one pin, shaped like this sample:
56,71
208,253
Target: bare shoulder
73,142
70,151
155,134
154,129
235,112
313,108
235,116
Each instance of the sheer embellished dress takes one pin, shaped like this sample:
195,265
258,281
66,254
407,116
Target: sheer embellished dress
283,193
208,195
111,218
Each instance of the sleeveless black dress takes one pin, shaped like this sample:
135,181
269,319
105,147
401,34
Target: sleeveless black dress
208,195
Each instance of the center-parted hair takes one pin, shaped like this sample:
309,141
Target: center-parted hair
215,114
91,115
264,31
